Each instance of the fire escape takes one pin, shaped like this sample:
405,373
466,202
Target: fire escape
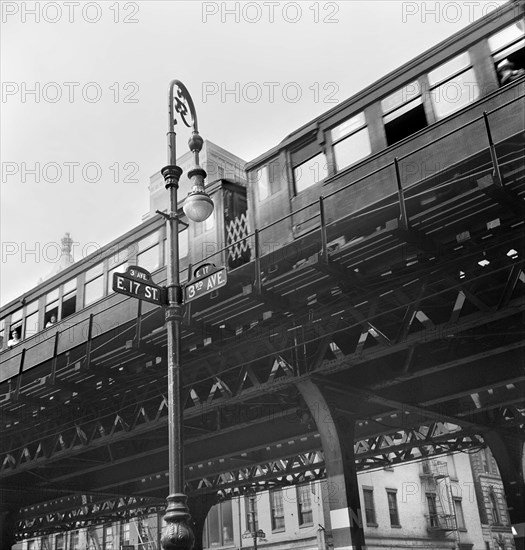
146,539
441,515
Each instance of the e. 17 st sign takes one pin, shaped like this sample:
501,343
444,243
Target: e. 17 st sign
207,279
136,282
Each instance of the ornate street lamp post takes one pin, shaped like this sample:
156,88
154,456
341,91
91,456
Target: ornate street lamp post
198,206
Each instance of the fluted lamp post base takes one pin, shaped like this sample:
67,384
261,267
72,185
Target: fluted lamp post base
178,534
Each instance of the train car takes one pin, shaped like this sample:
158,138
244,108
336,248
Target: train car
417,124
78,302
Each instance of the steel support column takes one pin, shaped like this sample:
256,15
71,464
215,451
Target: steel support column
200,506
337,439
7,527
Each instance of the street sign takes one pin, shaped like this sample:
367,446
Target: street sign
136,282
208,278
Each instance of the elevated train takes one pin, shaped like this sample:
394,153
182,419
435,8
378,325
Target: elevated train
407,173
406,135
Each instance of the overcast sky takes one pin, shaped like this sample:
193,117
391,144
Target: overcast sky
84,108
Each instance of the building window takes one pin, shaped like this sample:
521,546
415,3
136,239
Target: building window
493,506
460,518
508,53
124,533
60,542
31,545
370,511
31,323
304,505
107,533
351,141
277,509
69,298
94,286
403,113
392,507
2,333
218,527
74,540
433,520
453,85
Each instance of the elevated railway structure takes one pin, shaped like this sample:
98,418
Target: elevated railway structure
358,331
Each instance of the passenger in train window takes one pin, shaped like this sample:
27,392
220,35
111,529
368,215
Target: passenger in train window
507,72
14,339
51,321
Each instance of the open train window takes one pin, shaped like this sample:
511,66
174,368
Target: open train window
351,141
453,86
403,113
51,311
508,52
69,298
16,328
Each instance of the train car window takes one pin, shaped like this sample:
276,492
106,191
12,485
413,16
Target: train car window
119,269
149,252
16,328
453,86
51,310
94,286
508,52
267,180
310,172
403,113
31,324
351,141
69,298
150,258
448,69
149,241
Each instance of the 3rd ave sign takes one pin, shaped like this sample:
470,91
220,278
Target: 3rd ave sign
136,282
209,278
